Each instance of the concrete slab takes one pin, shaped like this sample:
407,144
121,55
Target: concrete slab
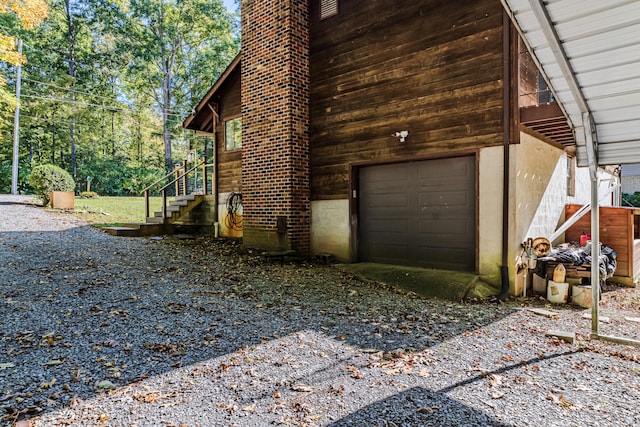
569,337
444,284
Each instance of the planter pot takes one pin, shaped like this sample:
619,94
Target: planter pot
62,199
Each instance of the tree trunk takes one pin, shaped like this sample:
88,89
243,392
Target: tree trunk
72,73
53,146
166,105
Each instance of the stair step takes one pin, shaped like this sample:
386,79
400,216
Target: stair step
155,219
122,231
189,197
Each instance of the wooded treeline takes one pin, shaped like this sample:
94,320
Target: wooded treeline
107,84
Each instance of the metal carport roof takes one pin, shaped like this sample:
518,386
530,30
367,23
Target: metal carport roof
589,52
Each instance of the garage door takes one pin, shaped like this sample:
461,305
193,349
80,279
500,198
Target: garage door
419,213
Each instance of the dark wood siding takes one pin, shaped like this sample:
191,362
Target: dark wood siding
419,213
433,68
229,162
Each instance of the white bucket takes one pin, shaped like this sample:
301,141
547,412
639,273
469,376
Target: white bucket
557,292
581,295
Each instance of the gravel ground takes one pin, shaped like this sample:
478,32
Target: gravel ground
109,331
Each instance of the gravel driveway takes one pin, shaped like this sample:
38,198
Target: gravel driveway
99,330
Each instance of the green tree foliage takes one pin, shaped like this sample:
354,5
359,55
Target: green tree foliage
93,89
47,178
176,41
631,199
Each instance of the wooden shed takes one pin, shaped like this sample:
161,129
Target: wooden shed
620,230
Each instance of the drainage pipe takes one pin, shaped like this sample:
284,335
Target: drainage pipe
506,129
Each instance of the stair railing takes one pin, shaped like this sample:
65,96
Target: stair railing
180,181
147,190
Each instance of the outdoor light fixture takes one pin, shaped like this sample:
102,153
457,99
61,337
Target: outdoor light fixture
402,135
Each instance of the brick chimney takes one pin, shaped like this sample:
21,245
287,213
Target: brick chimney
275,124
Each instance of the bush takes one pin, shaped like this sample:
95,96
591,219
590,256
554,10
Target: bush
47,178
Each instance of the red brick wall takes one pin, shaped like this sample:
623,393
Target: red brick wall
275,123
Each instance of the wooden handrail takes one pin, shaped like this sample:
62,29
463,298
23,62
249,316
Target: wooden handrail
184,174
157,182
176,180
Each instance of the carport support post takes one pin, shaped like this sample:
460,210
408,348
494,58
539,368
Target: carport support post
595,222
595,256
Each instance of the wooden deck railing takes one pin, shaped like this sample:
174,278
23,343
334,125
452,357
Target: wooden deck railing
180,183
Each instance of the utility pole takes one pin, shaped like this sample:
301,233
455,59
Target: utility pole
16,127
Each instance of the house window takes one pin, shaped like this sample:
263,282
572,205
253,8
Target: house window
571,176
544,92
233,134
328,8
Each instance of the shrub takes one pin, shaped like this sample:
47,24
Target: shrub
47,178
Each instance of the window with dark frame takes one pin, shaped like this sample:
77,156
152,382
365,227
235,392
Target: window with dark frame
233,134
328,8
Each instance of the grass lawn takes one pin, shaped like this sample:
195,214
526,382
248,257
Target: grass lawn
110,211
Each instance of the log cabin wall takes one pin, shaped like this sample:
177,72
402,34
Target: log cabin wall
229,163
433,68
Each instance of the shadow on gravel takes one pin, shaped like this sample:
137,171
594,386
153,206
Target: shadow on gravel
80,308
435,409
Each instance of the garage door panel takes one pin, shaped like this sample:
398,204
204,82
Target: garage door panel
382,226
389,252
436,229
453,199
389,200
444,170
419,213
385,175
443,258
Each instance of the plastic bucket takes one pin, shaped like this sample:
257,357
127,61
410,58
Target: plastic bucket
557,293
559,273
581,295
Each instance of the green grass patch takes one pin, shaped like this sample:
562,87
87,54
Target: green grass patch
114,211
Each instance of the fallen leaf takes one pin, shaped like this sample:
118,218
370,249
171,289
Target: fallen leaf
249,408
102,418
355,372
146,398
105,385
6,366
48,384
302,388
494,380
497,395
54,362
423,373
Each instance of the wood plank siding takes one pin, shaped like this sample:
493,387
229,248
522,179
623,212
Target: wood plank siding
224,98
433,68
616,231
229,162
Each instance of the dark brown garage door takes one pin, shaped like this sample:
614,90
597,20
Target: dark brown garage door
419,213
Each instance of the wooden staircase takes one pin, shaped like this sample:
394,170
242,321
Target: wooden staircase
176,209
161,223
168,220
